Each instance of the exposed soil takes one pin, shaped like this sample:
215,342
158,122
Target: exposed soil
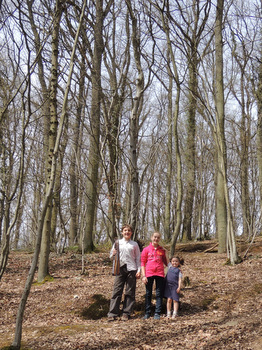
221,308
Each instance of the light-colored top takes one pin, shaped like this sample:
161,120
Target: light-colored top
129,254
154,259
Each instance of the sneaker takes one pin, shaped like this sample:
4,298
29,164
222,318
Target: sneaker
174,315
146,317
111,318
157,317
168,315
125,317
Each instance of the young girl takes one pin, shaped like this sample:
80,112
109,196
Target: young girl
173,285
153,259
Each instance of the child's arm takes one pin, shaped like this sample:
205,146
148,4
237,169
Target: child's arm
179,282
113,252
143,274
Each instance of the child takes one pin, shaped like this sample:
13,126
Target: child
173,285
129,253
153,259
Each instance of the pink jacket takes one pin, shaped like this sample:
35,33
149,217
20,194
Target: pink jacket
153,259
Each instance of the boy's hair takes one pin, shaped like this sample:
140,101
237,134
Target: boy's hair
181,260
127,226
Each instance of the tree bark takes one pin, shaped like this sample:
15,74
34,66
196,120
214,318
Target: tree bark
223,202
19,319
94,151
258,93
134,121
174,71
45,244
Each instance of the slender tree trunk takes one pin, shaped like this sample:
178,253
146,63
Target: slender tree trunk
75,158
178,216
244,169
221,211
221,147
258,93
134,120
190,150
244,102
45,244
175,114
167,221
112,113
94,151
20,313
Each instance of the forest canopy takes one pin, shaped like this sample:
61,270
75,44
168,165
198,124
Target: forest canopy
160,121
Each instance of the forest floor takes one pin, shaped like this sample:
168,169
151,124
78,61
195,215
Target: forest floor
221,308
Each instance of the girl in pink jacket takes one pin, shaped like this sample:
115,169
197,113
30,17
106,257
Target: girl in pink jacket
153,259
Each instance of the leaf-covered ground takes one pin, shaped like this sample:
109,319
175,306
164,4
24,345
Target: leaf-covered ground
221,308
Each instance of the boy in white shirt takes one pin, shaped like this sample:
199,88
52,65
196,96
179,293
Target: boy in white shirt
129,253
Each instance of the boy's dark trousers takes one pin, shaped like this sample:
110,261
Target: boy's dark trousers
127,278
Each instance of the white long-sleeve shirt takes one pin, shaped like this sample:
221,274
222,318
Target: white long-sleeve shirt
129,254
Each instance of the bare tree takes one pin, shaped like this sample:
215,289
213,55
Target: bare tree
46,237
223,202
18,331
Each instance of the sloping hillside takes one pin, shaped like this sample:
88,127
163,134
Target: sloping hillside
221,307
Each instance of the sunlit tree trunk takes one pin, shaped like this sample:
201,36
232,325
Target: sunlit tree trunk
49,190
175,113
223,202
258,92
134,119
45,243
242,56
113,107
167,216
221,211
75,158
94,151
190,149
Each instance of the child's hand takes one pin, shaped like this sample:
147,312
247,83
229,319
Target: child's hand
114,252
144,280
138,274
178,290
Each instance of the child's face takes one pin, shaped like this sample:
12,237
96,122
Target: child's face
155,239
127,233
175,262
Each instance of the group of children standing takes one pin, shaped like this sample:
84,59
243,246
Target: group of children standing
150,265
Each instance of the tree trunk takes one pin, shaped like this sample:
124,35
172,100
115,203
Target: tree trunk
167,221
19,319
223,212
113,108
258,93
94,151
190,149
175,114
75,158
134,121
45,244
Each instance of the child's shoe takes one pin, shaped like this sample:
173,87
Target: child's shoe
174,315
168,314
